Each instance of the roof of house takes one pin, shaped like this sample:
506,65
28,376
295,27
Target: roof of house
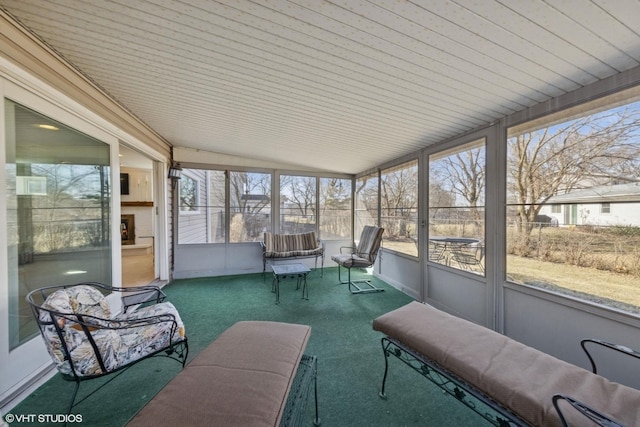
601,194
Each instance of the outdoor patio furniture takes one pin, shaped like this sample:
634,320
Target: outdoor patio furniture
255,373
287,247
437,252
86,341
361,255
469,256
502,380
296,271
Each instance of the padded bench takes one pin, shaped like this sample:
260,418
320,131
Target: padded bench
249,376
277,247
518,381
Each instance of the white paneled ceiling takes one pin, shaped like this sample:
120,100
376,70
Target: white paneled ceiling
340,85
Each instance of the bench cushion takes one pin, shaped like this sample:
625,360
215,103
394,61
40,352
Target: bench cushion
519,378
291,245
242,379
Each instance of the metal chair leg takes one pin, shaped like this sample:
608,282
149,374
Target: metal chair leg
359,286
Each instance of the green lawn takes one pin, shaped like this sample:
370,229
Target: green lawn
601,286
617,287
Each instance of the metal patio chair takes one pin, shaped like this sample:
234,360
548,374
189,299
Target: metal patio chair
85,341
362,255
469,256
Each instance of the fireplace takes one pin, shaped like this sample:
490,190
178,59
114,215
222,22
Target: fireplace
127,229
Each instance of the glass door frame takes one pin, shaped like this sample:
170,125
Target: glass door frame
20,366
431,275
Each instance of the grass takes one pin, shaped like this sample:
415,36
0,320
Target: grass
615,289
606,287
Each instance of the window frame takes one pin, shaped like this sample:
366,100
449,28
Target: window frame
275,197
540,117
467,247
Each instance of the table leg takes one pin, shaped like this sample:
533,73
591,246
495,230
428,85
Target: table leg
275,287
305,290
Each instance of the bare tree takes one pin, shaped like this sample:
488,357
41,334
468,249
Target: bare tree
465,173
74,192
439,197
575,154
299,191
399,199
366,201
335,205
250,197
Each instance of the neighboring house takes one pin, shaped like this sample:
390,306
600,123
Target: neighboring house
604,205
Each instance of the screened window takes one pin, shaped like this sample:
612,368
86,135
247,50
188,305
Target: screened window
297,204
202,207
189,191
58,207
218,206
587,162
249,206
457,185
335,208
366,203
399,207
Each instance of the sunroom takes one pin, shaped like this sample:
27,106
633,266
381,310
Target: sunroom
513,128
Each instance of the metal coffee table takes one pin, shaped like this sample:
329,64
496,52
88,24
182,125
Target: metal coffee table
290,271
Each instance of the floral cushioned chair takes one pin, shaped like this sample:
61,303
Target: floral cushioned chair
85,341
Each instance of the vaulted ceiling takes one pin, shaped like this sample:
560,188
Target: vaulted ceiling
341,85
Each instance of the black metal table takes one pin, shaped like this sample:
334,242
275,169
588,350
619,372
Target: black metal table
452,240
297,271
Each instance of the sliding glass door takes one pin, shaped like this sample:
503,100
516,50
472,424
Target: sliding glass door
58,210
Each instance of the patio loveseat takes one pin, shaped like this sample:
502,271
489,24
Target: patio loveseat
278,247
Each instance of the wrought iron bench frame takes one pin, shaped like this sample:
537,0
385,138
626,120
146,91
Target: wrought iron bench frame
295,408
451,384
479,402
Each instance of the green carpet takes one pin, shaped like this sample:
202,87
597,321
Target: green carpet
350,359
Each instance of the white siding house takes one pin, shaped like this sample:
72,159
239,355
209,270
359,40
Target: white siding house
610,205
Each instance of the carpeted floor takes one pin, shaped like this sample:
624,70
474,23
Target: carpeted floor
350,359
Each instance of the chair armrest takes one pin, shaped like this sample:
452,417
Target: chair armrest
140,294
94,323
352,249
617,347
263,245
143,321
597,417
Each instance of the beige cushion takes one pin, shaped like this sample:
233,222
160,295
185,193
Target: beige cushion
242,379
518,377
